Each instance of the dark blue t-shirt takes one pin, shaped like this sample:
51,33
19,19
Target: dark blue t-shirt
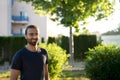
31,64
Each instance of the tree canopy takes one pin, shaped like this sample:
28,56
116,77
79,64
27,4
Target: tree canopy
71,12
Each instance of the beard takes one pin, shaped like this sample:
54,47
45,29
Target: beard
32,43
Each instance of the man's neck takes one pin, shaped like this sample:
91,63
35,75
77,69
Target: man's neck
32,48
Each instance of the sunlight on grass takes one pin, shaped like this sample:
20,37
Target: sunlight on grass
81,78
67,75
5,75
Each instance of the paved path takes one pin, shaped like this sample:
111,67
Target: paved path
5,67
76,66
72,66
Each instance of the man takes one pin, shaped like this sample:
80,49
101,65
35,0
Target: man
30,62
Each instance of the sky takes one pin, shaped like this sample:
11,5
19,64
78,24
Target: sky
106,25
101,26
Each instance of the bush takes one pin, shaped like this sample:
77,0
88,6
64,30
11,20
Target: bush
57,59
103,62
65,43
51,40
9,45
81,44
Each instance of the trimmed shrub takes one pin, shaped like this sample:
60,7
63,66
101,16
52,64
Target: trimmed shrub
51,40
57,59
103,62
65,43
42,40
9,45
82,43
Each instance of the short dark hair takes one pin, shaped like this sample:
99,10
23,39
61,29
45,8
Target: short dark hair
30,26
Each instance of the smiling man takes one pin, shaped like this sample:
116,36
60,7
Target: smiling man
30,62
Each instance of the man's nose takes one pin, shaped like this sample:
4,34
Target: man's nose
35,36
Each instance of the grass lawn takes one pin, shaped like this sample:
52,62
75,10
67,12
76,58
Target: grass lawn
4,79
67,75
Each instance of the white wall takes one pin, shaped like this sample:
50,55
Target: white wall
5,22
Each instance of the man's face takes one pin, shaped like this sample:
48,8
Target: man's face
32,36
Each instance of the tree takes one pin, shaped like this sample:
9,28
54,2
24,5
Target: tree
70,12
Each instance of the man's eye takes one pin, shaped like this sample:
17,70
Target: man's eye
31,34
36,34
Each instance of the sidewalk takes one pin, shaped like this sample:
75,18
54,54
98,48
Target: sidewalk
5,67
71,66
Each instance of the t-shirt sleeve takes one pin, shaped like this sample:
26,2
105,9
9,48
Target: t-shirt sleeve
47,61
46,54
16,62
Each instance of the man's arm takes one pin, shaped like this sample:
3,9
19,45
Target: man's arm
14,73
46,72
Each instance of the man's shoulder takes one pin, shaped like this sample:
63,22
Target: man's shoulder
20,51
43,51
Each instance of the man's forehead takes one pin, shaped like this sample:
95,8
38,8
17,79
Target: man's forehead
33,30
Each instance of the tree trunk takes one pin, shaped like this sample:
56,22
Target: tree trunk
71,47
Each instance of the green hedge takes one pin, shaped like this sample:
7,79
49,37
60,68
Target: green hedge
9,45
62,41
65,43
51,40
103,62
81,45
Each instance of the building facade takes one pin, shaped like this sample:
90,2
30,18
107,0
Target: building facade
15,16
